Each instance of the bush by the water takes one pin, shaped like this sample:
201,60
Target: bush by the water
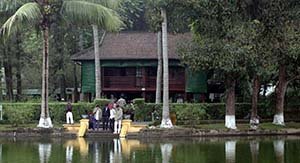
22,113
186,113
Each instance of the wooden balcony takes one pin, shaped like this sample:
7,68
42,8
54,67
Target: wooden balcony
132,83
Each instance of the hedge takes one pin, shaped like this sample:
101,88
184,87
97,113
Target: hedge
186,113
192,113
21,113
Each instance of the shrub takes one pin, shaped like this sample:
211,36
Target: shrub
101,102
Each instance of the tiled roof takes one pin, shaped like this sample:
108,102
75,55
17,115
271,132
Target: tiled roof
132,45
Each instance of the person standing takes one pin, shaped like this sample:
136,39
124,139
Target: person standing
121,102
97,112
118,119
105,116
112,114
69,114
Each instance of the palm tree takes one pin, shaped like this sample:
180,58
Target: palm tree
166,122
113,5
39,14
159,69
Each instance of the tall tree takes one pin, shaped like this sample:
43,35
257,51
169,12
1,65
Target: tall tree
221,44
159,69
39,13
281,20
166,121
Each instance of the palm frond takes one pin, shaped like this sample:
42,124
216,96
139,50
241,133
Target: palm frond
112,4
87,13
29,14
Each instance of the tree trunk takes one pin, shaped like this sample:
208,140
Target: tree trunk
63,84
8,74
254,120
159,69
166,122
280,93
97,62
1,78
45,121
75,91
230,103
19,68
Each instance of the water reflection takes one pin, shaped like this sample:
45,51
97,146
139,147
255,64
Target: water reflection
230,147
115,155
166,152
0,153
79,143
69,153
254,149
279,150
44,152
99,150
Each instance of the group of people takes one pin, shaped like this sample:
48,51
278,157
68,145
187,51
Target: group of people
111,116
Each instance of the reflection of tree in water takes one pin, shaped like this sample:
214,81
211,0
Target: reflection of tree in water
230,147
44,152
0,152
279,150
254,148
166,152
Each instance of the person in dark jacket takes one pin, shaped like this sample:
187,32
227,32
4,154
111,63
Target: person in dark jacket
69,115
105,117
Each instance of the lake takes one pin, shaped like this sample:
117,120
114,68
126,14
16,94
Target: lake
183,150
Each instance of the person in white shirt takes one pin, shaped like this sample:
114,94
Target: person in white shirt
97,112
118,119
112,117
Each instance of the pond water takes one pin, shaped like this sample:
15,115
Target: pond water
184,150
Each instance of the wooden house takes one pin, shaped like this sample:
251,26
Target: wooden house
129,66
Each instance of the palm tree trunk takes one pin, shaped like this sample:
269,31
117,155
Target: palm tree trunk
1,77
19,67
166,122
230,103
254,121
8,74
45,121
97,62
280,93
159,69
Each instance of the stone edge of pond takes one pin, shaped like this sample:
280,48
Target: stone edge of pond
192,132
148,133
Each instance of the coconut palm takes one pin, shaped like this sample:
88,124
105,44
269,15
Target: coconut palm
166,122
159,69
39,13
113,4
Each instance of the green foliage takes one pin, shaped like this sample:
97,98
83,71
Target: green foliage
21,113
177,14
132,13
16,114
101,102
141,114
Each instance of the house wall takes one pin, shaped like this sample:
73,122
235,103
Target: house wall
138,79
